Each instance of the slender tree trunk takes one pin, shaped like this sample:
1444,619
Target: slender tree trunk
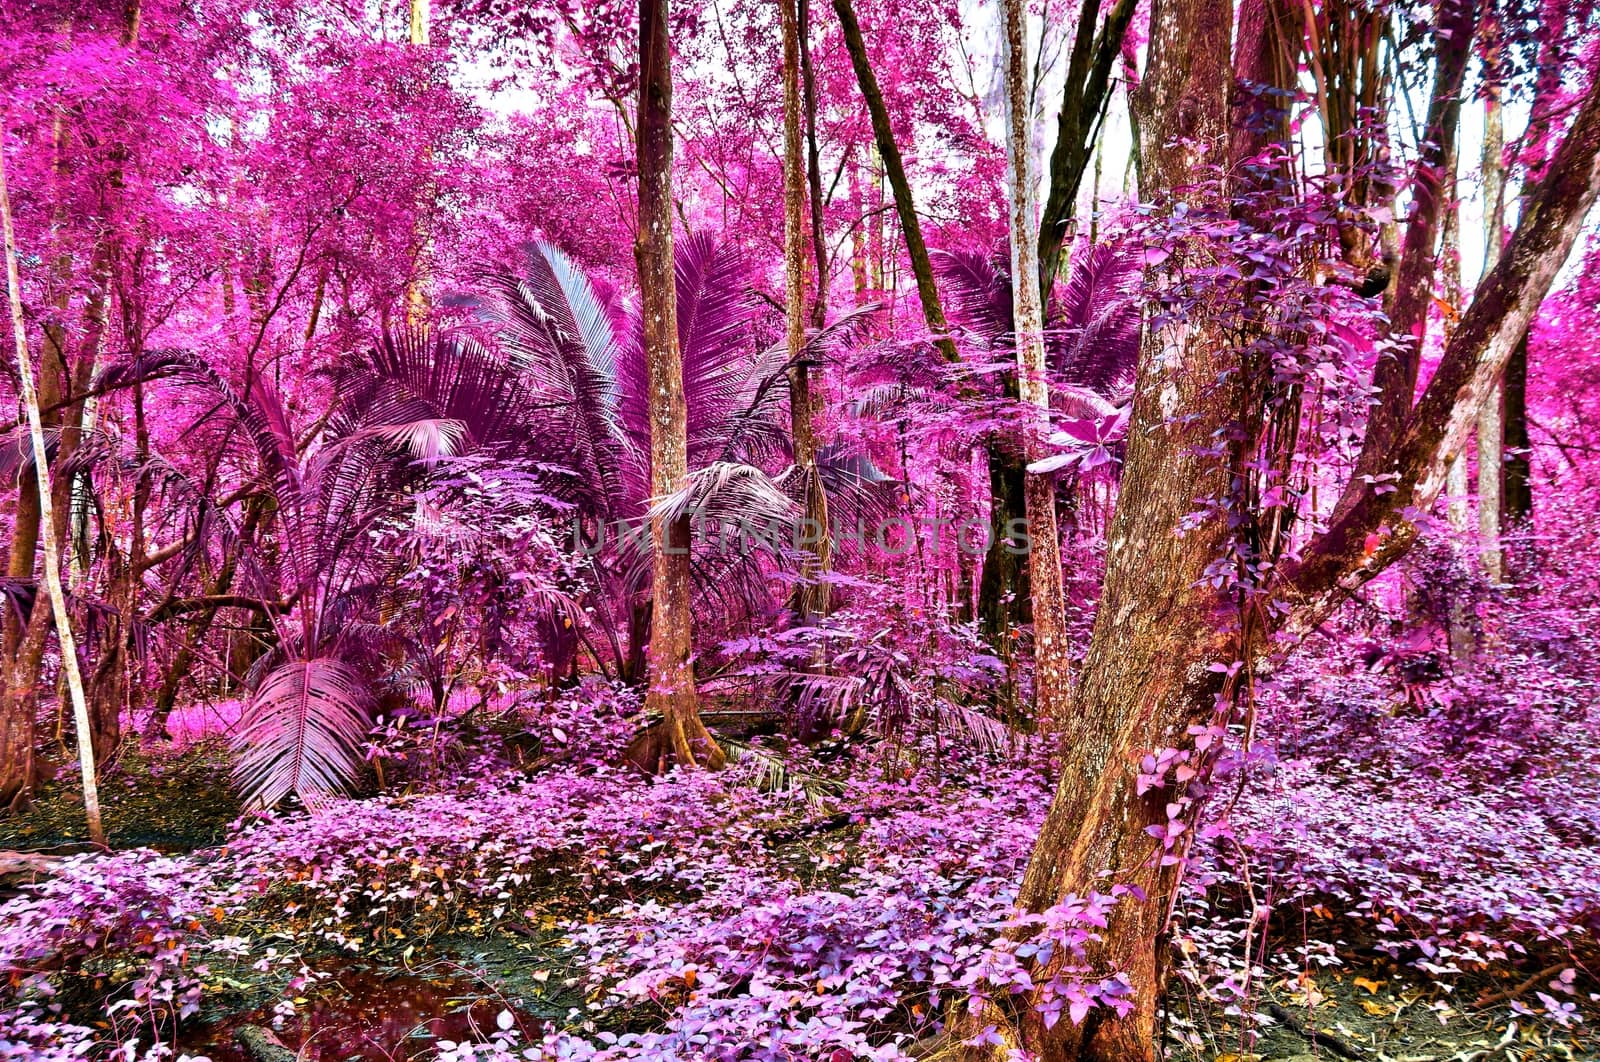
1051,669
1491,423
1516,497
1395,377
811,596
52,557
894,169
819,246
418,303
1084,96
24,644
1005,593
671,692
167,696
1463,638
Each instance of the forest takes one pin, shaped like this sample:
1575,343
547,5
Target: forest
958,530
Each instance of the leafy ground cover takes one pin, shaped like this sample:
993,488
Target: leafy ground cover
843,912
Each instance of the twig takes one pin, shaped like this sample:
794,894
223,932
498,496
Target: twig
1315,1037
1488,1052
1512,993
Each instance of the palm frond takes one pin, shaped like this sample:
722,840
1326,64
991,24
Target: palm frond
559,331
986,732
768,772
306,722
726,494
978,288
1100,320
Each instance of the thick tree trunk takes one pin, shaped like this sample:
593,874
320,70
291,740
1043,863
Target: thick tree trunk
1051,670
47,527
894,169
1159,626
671,692
1146,679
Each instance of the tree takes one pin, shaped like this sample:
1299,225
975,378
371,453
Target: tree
1159,652
47,523
812,593
1044,559
671,692
894,169
1084,96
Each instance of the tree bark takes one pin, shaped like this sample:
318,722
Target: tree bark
47,527
1395,376
894,169
1372,529
671,692
1051,669
819,246
1516,494
1491,420
811,595
418,305
1083,101
1463,636
1145,678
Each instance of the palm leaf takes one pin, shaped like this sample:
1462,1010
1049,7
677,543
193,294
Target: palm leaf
978,289
306,722
1099,318
559,331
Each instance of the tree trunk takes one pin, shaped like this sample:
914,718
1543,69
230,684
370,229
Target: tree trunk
47,528
819,246
1371,529
1051,671
1395,376
418,305
671,692
894,169
1145,679
811,595
1491,420
1004,589
1516,495
1463,636
1084,96
167,696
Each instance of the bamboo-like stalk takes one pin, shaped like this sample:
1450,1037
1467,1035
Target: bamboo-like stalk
47,524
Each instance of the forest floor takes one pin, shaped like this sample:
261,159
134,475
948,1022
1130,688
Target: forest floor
562,956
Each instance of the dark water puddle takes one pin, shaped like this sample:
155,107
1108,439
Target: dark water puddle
358,1015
